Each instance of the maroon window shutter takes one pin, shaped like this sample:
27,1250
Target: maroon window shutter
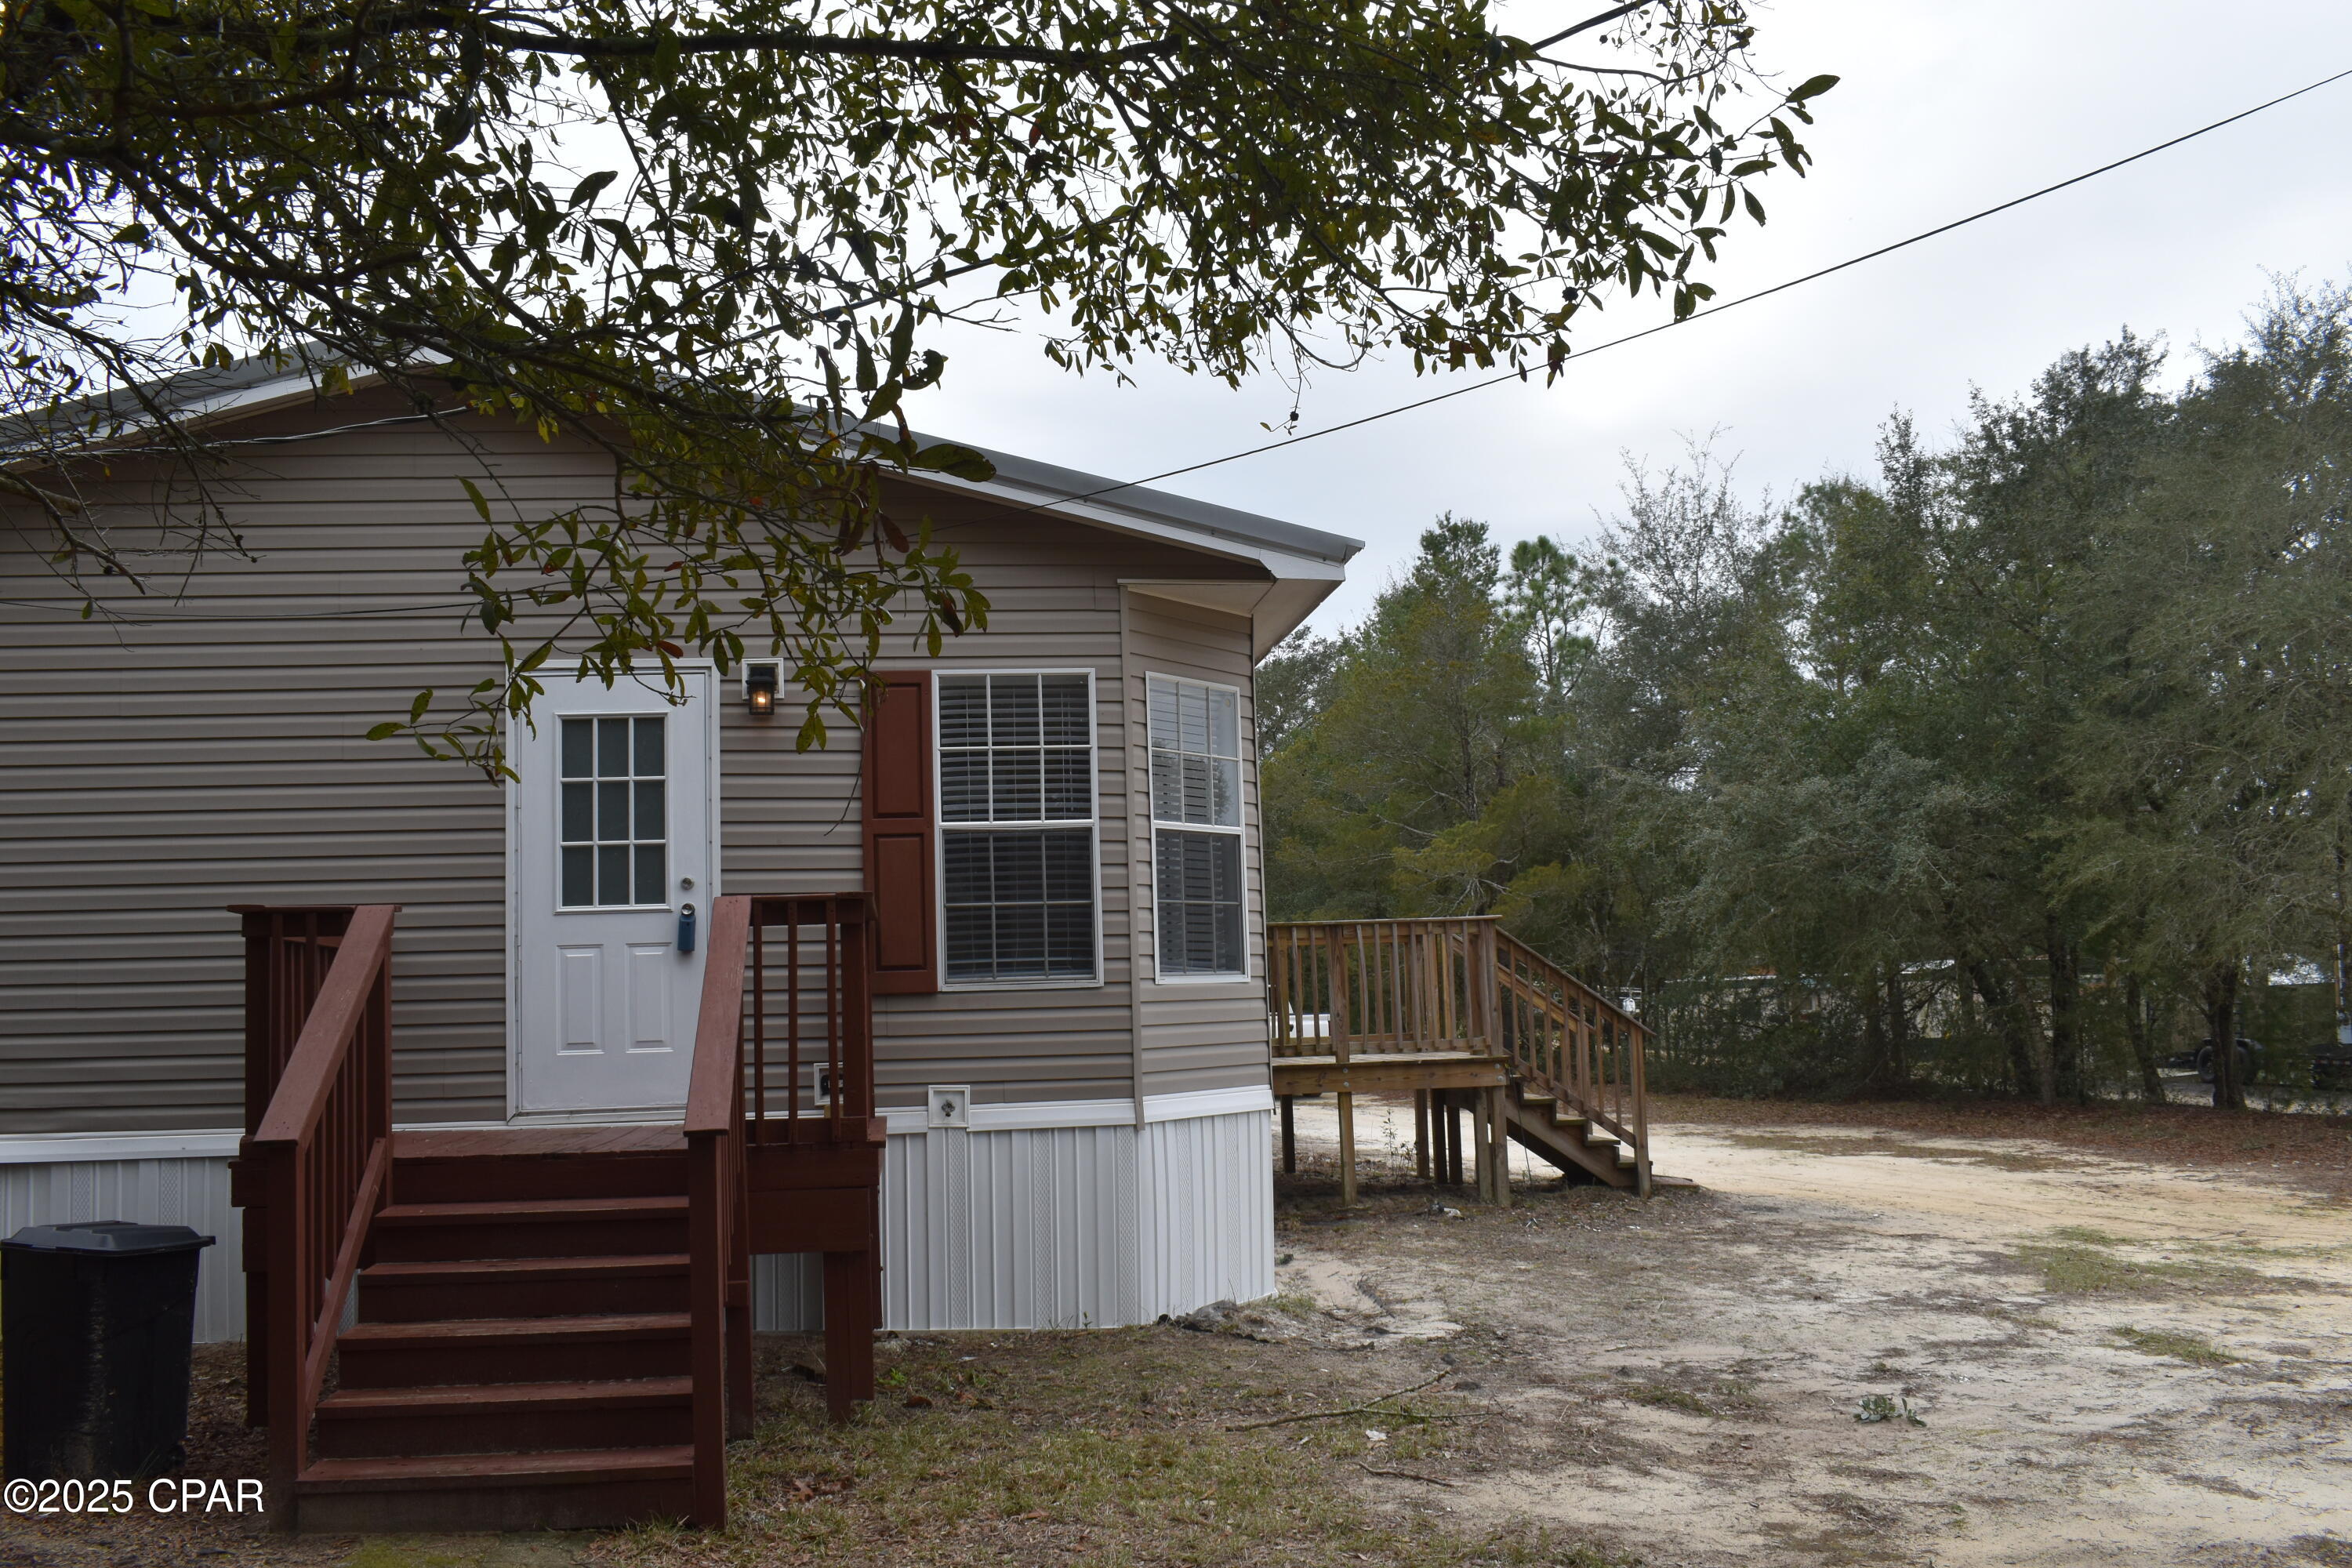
901,875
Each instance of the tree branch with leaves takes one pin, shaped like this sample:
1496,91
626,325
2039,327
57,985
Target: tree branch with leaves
719,245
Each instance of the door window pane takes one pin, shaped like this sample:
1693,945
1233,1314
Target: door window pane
614,843
1017,867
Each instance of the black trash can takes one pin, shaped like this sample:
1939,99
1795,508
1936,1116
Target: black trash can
96,1322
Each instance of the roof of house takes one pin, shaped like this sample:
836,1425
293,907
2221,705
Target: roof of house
1302,565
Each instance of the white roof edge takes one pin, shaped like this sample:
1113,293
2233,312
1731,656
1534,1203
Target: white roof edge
1287,552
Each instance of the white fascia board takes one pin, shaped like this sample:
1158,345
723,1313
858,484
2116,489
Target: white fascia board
1281,565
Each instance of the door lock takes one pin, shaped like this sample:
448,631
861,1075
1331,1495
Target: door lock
686,928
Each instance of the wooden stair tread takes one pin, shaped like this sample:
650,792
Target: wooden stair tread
437,1472
519,1330
501,1398
539,1143
460,1269
526,1211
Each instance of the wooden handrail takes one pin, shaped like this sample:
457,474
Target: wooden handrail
315,1167
1575,1044
1345,988
726,1108
714,1092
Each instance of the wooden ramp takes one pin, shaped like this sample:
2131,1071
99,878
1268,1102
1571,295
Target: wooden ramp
1474,1023
551,1325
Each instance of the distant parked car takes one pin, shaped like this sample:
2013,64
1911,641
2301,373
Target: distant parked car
2249,1060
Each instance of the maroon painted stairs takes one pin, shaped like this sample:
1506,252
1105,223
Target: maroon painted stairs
521,1351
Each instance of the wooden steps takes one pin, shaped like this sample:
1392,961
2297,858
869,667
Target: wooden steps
1568,1140
462,1492
521,1287
521,1355
514,1417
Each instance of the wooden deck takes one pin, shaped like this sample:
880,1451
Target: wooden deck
1467,1019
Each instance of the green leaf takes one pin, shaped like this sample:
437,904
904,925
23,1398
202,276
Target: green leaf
385,730
474,494
419,703
946,458
1812,88
585,191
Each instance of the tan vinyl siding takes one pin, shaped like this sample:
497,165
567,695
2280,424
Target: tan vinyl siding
1054,597
153,774
1198,1035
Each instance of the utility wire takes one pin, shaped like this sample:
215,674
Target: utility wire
1712,310
150,617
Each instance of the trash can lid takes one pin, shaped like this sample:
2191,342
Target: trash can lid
118,1237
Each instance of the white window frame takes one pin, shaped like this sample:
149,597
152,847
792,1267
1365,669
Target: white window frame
1240,830
941,827
671,733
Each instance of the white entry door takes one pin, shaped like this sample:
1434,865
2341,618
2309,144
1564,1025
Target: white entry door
615,836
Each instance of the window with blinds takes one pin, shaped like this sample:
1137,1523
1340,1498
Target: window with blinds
1196,827
1017,856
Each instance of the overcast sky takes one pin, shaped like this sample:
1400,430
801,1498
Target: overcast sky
1944,108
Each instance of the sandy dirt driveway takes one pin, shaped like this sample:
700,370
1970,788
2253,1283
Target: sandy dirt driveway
1852,1346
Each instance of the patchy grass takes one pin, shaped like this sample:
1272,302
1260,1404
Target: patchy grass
1110,1448
1725,1397
1668,1397
2084,1236
2072,1264
1848,1146
2179,1347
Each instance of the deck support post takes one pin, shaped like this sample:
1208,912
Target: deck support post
1452,1139
852,1313
1482,1161
1496,1157
1420,1133
1289,1138
1347,1149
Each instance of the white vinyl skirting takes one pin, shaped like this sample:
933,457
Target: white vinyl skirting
1094,1225
190,1191
1059,1227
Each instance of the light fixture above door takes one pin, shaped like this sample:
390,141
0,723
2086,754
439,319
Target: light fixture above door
762,680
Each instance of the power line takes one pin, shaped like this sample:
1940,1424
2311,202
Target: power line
1712,310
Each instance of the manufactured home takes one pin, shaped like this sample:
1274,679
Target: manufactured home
1007,948
517,1107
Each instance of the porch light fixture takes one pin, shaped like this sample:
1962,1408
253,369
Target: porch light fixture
761,679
